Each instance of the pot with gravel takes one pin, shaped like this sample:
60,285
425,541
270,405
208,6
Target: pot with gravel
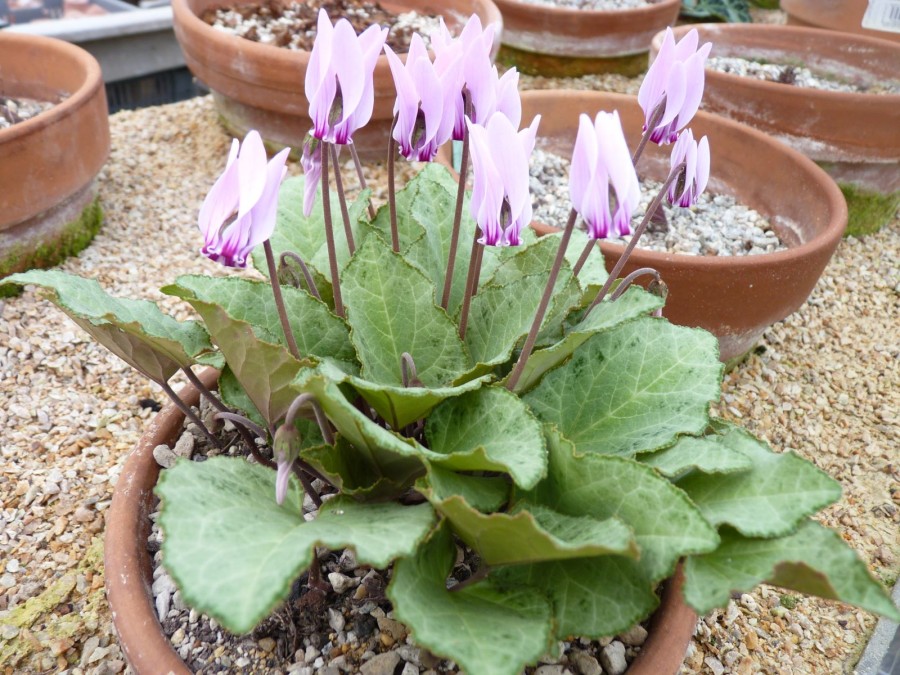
519,445
254,57
52,109
835,100
568,38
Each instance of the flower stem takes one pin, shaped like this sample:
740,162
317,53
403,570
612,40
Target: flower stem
310,282
471,284
279,301
631,278
307,484
342,199
651,125
582,259
329,240
321,420
392,194
457,216
186,409
361,176
545,302
620,263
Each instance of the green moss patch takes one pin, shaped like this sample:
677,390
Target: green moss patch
868,211
72,239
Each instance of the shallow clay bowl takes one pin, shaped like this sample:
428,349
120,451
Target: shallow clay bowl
53,157
550,40
828,126
258,86
735,298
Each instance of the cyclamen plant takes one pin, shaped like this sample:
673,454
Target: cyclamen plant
529,406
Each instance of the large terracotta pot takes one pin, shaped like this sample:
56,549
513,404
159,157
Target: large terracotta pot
257,86
841,15
735,298
854,135
48,163
129,571
548,40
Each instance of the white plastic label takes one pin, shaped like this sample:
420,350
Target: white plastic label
882,15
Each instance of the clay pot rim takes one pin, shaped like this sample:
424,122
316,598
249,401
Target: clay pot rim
148,650
292,58
826,237
592,14
765,87
93,80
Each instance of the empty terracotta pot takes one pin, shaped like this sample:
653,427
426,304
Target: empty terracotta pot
734,298
48,162
129,571
856,134
258,86
548,40
841,15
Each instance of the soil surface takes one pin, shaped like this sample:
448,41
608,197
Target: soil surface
823,383
293,24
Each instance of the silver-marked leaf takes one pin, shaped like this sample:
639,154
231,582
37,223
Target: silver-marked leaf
136,331
235,553
533,533
632,389
317,331
391,310
813,560
592,597
495,421
485,630
304,236
708,454
634,303
767,501
666,524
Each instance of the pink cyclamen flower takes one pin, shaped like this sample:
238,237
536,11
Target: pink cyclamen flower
425,117
689,185
239,211
501,200
311,161
675,78
340,78
601,167
473,50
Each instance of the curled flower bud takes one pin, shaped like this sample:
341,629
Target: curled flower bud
239,211
689,185
286,446
601,167
674,82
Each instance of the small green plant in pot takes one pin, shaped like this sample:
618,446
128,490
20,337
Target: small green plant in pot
525,405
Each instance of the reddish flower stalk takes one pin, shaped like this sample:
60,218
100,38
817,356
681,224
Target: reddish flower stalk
329,240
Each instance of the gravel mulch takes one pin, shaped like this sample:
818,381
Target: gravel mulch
15,110
824,383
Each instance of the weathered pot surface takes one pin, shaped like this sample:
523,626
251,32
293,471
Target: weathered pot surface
129,571
735,298
855,133
50,160
840,15
549,40
258,86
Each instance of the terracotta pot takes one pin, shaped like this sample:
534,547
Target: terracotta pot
48,163
257,86
841,15
735,298
855,135
129,571
547,40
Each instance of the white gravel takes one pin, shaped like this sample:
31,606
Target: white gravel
595,5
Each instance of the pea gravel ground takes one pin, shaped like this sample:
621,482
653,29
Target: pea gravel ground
824,383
